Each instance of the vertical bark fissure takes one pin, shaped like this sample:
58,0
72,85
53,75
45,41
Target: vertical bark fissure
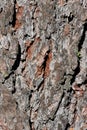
77,70
14,15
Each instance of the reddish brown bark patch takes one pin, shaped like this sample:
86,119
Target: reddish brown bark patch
19,15
40,71
61,2
71,128
3,125
44,70
45,128
31,47
29,52
66,29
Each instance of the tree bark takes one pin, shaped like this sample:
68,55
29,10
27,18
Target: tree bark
43,65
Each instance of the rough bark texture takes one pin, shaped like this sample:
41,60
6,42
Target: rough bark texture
43,64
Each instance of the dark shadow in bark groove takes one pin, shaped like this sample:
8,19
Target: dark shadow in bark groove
52,119
45,60
82,38
9,75
40,85
67,126
13,91
30,123
70,17
77,70
17,62
84,83
14,15
15,65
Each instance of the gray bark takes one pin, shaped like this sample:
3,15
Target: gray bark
43,65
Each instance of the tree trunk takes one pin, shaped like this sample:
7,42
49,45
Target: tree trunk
43,65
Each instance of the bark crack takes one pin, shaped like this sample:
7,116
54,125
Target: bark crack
18,59
77,70
14,15
52,119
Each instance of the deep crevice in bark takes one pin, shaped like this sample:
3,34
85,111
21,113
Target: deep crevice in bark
9,75
45,61
84,83
29,119
14,14
82,37
63,83
44,69
67,126
14,90
18,59
52,119
40,85
77,70
30,123
70,17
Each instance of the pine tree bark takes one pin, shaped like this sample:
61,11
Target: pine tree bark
43,65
